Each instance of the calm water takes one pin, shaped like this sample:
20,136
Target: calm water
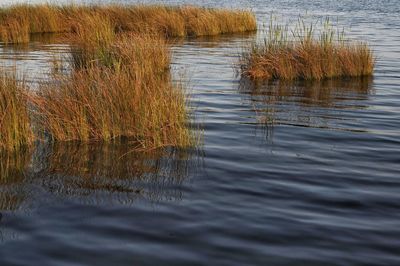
300,174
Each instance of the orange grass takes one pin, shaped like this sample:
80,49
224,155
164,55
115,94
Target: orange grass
119,87
15,131
130,96
302,54
19,21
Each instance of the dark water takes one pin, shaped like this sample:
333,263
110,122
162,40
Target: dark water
298,174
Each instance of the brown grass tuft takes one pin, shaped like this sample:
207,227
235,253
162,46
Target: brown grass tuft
132,98
203,21
15,131
300,54
94,36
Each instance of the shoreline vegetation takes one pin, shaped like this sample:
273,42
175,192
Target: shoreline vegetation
302,53
15,129
120,92
18,22
119,86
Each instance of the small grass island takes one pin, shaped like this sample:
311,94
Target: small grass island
302,53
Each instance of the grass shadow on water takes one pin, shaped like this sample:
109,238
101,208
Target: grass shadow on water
317,104
13,173
93,174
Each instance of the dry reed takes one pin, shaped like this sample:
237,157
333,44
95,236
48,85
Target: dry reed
19,21
15,131
302,54
119,86
120,89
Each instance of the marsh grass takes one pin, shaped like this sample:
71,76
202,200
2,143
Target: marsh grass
15,130
128,96
119,85
19,21
307,54
96,44
92,42
207,21
118,88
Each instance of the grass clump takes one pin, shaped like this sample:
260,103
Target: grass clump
92,42
96,44
15,131
122,92
302,54
19,21
207,21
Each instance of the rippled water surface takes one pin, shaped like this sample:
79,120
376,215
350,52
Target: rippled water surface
299,174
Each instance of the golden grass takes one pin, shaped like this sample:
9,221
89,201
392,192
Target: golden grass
19,21
15,131
119,87
301,54
96,44
129,95
93,41
203,21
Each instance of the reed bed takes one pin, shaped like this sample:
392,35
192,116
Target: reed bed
18,22
119,89
306,54
119,85
15,130
96,44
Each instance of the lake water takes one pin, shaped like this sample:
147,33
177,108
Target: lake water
300,174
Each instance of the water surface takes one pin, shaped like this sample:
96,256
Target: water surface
289,174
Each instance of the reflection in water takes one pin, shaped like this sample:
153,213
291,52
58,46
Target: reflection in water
96,173
89,169
220,41
13,169
306,103
214,41
40,44
35,60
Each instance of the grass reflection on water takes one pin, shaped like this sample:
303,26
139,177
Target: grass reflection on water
94,173
317,104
